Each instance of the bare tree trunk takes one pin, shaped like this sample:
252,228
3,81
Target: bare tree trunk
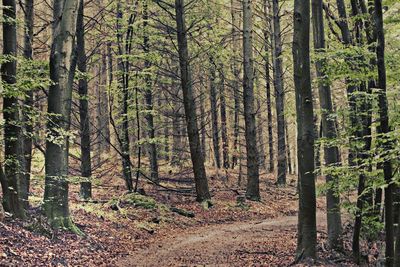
86,165
62,70
224,130
152,148
190,106
289,156
253,186
331,152
123,68
307,229
214,113
28,105
13,152
279,92
235,84
385,129
203,130
267,52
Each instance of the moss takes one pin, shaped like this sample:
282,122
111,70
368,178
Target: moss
66,223
97,210
206,204
138,200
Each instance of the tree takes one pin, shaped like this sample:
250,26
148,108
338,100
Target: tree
331,152
196,154
149,97
12,131
124,49
385,130
235,82
253,187
86,166
307,232
279,92
268,84
214,113
28,103
62,71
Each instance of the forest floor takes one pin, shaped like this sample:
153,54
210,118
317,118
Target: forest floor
167,227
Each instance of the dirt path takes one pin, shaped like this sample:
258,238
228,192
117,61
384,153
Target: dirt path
222,245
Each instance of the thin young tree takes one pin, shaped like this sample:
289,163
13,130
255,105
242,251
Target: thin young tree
307,232
86,165
28,102
152,148
266,5
279,91
62,71
253,184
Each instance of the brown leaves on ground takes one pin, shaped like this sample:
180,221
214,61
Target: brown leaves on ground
114,235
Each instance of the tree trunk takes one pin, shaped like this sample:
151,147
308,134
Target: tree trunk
152,148
86,165
253,187
214,114
224,130
123,68
331,152
235,85
279,92
13,152
28,105
307,232
385,129
62,70
267,52
190,106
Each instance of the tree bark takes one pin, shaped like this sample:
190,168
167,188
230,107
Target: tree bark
152,148
268,26
196,154
384,130
86,160
279,92
331,152
253,187
62,70
123,68
214,114
13,153
307,232
235,84
28,104
224,129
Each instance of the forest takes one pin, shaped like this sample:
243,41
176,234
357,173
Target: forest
200,133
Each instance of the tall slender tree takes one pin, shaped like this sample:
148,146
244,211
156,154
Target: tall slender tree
267,52
196,154
86,160
279,91
331,152
253,187
235,82
12,130
214,113
307,232
28,102
152,148
384,130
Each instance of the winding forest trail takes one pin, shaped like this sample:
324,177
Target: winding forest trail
224,244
